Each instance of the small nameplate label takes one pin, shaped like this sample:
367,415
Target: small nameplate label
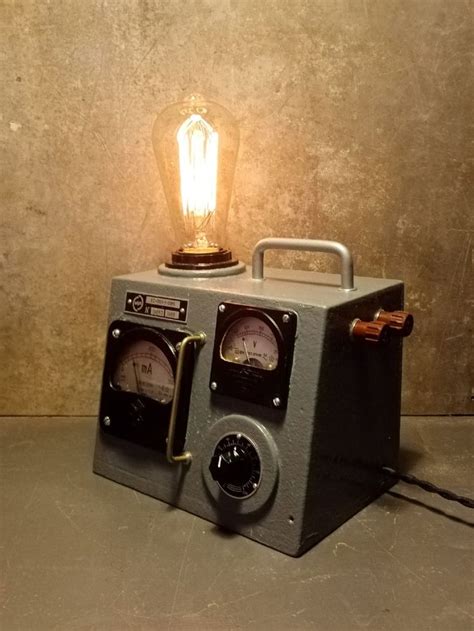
158,307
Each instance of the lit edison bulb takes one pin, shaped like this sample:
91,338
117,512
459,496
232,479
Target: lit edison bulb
196,144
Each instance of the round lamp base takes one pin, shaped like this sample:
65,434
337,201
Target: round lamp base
215,263
195,260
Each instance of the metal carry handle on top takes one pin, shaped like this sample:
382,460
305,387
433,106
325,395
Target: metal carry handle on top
309,245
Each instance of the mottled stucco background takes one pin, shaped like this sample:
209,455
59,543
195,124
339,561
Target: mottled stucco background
354,126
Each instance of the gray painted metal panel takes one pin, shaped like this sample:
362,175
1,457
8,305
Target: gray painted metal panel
321,455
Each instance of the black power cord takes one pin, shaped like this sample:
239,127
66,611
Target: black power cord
430,487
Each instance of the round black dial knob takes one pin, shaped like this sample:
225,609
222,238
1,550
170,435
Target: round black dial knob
235,466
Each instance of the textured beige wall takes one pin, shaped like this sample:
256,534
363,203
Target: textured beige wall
353,119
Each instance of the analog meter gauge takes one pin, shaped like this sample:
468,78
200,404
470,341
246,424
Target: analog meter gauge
253,353
250,341
143,368
139,384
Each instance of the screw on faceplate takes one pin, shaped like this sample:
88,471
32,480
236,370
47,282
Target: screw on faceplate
213,385
106,420
277,402
116,333
182,310
222,308
286,318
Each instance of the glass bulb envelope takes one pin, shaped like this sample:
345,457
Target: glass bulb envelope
196,143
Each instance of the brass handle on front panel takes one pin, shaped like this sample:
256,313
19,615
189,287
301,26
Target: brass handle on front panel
186,456
310,245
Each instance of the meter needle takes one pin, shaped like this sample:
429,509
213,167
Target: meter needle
136,377
246,351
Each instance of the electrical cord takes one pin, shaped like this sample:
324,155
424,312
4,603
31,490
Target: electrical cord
430,487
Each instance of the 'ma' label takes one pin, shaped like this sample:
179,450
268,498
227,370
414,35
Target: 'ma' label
158,307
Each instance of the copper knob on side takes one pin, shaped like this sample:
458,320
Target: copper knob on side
370,331
400,322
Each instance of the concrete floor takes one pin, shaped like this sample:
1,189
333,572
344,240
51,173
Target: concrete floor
80,552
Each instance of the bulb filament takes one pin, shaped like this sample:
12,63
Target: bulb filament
198,152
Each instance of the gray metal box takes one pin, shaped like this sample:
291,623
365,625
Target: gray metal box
321,456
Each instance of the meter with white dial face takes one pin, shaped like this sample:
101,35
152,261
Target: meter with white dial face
253,353
144,369
138,385
250,341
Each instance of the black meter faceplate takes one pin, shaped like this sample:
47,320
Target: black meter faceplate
138,385
253,353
